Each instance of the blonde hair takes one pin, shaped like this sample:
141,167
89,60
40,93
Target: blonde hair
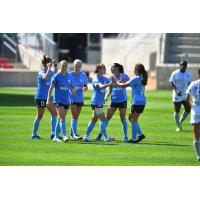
77,61
63,63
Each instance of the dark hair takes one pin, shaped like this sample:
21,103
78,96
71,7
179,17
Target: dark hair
119,66
199,71
98,67
142,72
45,60
183,63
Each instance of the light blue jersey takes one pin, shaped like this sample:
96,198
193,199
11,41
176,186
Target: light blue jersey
78,81
43,85
118,94
138,97
98,94
62,84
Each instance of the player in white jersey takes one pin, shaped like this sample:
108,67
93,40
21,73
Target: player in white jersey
180,80
194,91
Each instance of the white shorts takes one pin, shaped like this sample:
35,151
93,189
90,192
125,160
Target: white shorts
195,114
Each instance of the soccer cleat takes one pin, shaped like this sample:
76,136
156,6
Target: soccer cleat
65,138
86,139
109,139
99,137
125,139
52,136
133,141
141,137
37,137
78,137
178,129
56,139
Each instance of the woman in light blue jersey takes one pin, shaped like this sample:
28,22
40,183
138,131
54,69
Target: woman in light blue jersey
118,99
99,84
79,84
137,85
194,92
44,81
61,82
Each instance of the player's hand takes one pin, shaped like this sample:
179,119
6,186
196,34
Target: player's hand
49,64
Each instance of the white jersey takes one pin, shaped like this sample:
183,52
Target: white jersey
194,91
181,81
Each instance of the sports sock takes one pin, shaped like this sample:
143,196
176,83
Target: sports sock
183,117
57,129
53,124
35,126
125,128
90,128
176,117
103,128
63,127
100,132
196,147
139,132
134,131
74,123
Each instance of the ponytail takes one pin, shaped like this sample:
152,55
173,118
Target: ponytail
142,72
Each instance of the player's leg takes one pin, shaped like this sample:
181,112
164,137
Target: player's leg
51,108
122,112
177,107
90,126
110,113
186,111
196,136
62,114
39,114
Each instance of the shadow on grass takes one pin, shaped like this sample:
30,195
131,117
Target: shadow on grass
164,144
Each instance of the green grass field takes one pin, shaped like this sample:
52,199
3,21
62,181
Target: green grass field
162,146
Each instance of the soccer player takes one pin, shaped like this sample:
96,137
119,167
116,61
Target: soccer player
79,84
194,91
137,85
61,82
118,99
99,84
44,81
180,80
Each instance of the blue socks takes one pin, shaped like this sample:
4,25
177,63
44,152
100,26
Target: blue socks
35,126
125,129
90,128
139,132
100,132
134,131
73,129
53,124
103,125
62,127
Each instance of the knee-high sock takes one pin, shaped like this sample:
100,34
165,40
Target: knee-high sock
125,128
196,147
103,128
53,124
90,128
134,131
57,129
183,117
100,132
139,132
176,117
63,127
35,126
74,123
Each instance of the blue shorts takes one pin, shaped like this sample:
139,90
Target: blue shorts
119,104
66,106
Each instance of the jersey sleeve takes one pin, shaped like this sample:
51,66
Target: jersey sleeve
190,89
41,74
133,82
172,78
126,77
107,80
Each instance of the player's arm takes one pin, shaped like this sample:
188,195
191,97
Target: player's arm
46,75
49,93
101,86
108,93
175,89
